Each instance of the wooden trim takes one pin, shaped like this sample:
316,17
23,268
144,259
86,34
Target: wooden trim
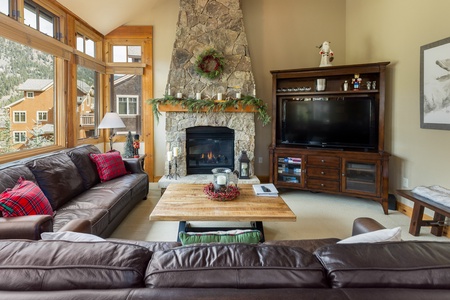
180,108
131,32
85,60
408,211
15,31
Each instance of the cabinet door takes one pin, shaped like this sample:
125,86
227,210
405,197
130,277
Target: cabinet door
290,170
361,176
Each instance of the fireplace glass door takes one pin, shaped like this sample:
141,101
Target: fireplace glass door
209,147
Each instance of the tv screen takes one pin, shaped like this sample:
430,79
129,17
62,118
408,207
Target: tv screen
343,123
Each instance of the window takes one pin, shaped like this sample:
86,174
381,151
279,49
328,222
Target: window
87,101
4,6
20,117
30,120
20,137
42,116
40,19
85,45
127,105
127,54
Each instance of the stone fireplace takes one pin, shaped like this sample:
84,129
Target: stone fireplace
242,123
203,25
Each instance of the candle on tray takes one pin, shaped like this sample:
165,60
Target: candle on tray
175,151
221,179
169,155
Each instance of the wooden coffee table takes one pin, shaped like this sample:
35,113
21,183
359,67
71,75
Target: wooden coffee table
187,202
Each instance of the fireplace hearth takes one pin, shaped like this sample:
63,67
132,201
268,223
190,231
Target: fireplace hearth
209,147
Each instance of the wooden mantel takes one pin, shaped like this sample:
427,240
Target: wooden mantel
179,108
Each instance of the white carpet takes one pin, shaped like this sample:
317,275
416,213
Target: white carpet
318,216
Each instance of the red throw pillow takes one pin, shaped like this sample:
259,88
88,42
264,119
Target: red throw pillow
25,198
109,165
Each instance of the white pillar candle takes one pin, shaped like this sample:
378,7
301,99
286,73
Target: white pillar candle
175,151
221,179
219,96
179,95
169,155
168,90
198,96
238,95
254,90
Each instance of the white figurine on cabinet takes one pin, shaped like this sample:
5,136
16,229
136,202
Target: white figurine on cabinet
327,54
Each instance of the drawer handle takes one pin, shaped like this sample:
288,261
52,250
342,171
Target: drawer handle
322,185
323,160
322,173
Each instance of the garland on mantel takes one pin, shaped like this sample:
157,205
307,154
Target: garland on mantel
194,105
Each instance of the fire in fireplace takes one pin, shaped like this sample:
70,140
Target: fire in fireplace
209,147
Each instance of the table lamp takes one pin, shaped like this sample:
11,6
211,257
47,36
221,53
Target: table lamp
111,120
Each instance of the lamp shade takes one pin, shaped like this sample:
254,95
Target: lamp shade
111,120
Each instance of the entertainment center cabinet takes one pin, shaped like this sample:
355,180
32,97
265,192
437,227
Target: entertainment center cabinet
328,131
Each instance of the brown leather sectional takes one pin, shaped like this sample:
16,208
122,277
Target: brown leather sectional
300,269
70,181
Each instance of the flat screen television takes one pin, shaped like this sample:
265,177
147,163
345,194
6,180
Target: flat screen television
345,123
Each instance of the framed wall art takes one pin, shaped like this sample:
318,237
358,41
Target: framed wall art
435,85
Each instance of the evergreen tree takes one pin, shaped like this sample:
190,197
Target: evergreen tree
129,150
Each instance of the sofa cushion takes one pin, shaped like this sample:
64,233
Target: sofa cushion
86,167
234,266
250,236
98,217
58,178
411,264
109,165
62,265
382,235
10,174
25,198
70,236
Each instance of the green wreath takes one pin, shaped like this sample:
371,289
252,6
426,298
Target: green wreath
210,64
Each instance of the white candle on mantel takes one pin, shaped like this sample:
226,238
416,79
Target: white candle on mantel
179,95
254,90
169,155
219,96
221,179
198,96
175,151
238,95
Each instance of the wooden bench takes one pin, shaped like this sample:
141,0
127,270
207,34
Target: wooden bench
417,221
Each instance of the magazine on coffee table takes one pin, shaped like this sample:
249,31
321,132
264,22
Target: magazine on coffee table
265,189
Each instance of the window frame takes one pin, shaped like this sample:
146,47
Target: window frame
41,112
40,11
19,132
19,113
128,97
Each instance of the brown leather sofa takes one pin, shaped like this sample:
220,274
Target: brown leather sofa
69,179
301,269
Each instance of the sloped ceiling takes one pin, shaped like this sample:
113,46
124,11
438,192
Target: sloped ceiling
107,15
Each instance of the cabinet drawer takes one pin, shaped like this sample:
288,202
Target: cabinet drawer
319,160
324,185
325,173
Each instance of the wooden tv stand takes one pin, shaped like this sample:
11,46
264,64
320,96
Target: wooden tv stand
362,173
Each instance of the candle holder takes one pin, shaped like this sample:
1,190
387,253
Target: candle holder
169,175
175,173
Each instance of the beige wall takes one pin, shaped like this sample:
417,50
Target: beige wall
282,34
394,30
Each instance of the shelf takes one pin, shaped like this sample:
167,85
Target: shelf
328,93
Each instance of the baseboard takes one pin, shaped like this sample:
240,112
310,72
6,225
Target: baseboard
407,210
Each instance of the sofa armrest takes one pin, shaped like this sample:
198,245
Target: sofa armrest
134,165
25,227
364,225
78,225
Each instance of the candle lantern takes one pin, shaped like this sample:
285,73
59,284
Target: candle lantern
244,166
221,178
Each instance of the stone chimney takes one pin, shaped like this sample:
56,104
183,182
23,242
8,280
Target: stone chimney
210,24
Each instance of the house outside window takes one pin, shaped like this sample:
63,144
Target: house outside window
41,116
20,117
30,94
20,137
127,105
